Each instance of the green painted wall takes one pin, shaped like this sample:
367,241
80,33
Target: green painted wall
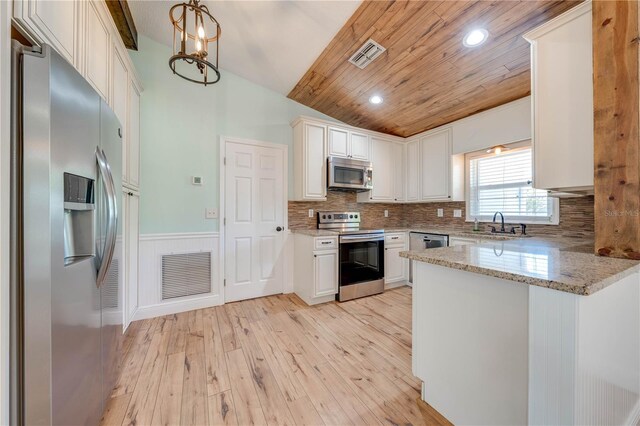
181,124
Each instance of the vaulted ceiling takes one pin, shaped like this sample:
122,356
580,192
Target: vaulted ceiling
426,76
271,43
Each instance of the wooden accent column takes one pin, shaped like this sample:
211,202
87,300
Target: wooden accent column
616,116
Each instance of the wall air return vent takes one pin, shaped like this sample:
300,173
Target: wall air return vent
186,274
366,54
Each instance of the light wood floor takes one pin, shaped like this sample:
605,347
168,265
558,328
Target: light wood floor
273,361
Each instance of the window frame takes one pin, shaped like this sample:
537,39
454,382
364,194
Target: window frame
554,205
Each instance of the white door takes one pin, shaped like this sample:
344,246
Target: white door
255,213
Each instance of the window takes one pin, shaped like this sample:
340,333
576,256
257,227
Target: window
503,183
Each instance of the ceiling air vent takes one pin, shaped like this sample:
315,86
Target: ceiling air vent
366,54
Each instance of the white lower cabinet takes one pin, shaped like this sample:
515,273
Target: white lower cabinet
315,268
131,204
396,268
325,273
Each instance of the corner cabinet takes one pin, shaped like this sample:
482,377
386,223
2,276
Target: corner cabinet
310,160
562,101
316,268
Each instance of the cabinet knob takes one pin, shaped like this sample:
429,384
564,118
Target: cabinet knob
279,228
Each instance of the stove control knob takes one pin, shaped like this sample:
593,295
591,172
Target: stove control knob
356,216
324,216
329,216
350,216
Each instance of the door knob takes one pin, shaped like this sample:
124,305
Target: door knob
279,228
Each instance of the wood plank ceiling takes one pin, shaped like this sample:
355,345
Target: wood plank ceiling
426,76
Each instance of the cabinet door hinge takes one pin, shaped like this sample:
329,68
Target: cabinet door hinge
224,283
224,222
224,161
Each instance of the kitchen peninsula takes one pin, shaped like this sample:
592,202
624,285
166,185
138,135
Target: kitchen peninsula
527,331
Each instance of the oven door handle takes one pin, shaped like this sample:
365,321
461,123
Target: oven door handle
358,239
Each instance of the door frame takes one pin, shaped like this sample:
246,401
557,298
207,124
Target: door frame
284,151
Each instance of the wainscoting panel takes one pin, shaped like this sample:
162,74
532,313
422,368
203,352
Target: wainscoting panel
152,249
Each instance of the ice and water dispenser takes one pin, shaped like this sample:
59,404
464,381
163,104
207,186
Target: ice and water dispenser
79,218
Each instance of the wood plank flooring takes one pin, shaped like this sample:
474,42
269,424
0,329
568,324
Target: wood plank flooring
273,361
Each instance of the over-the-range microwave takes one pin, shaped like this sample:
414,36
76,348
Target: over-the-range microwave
345,174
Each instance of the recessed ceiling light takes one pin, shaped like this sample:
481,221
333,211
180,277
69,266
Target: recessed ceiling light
375,99
475,37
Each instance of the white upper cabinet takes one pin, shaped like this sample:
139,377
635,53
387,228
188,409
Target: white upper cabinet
133,133
348,144
384,169
57,22
359,146
310,161
435,166
338,142
412,178
119,103
399,171
562,101
97,48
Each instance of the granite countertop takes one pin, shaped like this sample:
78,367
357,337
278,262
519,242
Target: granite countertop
562,264
463,233
315,232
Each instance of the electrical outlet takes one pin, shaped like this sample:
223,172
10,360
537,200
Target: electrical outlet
210,213
386,213
440,212
457,213
310,212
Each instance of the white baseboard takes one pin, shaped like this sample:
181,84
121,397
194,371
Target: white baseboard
176,306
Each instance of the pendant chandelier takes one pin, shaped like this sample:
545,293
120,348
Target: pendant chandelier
196,35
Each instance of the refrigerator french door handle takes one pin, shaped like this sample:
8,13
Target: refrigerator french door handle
112,216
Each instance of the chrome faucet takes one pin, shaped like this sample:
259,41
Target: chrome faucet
502,221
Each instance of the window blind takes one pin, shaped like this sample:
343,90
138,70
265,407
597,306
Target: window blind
503,183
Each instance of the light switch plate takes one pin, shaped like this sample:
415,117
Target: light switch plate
457,213
440,212
210,214
386,213
196,180
310,212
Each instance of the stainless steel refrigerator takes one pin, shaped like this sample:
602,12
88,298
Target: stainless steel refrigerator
67,265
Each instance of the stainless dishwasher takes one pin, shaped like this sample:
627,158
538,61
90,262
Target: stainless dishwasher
424,241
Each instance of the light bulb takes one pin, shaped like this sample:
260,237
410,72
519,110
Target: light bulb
201,31
475,37
498,150
198,45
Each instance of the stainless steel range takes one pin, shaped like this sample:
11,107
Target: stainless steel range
361,254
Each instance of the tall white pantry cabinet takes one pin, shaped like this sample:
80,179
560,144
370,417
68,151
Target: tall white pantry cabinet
84,33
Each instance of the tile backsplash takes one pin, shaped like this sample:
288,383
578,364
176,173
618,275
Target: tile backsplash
576,215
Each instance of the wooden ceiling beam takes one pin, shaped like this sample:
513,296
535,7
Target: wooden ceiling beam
121,14
616,103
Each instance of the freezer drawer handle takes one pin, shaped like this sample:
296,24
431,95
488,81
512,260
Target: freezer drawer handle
112,216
